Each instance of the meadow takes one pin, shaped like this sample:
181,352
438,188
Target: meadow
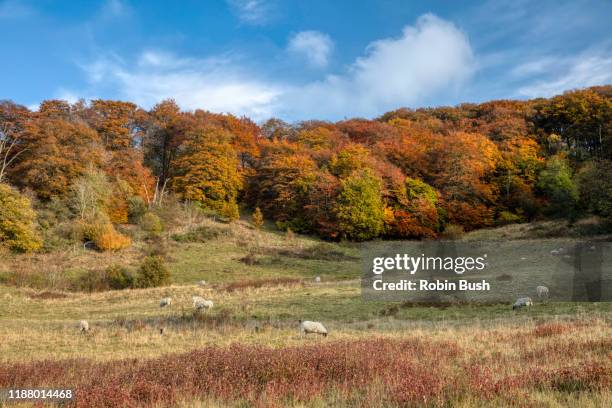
247,350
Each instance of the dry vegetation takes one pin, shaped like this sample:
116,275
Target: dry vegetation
247,350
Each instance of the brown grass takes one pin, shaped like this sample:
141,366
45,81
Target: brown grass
259,283
401,372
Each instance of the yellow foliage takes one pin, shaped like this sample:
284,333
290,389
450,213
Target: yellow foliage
104,236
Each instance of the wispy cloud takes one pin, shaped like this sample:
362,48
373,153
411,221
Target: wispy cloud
256,12
216,83
431,57
563,73
315,46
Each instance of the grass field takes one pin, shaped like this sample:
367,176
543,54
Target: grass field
247,350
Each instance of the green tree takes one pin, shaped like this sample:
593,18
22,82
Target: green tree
558,188
17,230
595,185
360,209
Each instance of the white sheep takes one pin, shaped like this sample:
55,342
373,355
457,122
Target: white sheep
542,291
307,327
318,279
554,252
200,303
83,326
165,302
522,302
202,283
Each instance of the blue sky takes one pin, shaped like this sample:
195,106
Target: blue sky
301,59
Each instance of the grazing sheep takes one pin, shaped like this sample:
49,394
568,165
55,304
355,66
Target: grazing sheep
200,303
165,302
202,283
554,252
83,326
318,279
312,327
542,291
522,302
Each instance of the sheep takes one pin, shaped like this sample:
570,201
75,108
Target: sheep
200,303
522,302
318,279
312,327
542,291
83,326
554,252
165,302
202,283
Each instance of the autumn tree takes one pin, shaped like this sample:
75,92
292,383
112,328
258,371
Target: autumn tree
280,186
17,228
207,171
417,213
55,153
165,132
13,118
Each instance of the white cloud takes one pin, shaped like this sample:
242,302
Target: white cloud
256,12
313,45
562,73
66,95
215,84
429,58
432,57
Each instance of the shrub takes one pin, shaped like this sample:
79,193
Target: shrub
110,240
151,224
258,219
104,236
506,217
17,231
137,208
152,273
119,277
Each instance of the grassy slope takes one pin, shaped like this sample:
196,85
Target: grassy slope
41,324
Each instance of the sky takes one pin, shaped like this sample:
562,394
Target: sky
301,59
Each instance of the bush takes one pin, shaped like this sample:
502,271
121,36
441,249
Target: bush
119,277
104,236
17,231
258,219
506,217
152,273
137,208
151,224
